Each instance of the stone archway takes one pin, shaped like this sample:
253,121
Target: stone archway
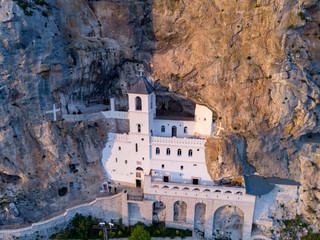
228,223
200,217
180,211
158,212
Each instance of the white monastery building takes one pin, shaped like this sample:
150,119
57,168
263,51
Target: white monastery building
164,157
171,150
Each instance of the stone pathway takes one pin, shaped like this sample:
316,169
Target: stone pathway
82,117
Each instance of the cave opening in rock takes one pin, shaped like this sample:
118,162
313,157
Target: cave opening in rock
228,223
158,212
62,190
180,211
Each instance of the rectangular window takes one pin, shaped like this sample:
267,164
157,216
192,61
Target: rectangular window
166,178
116,159
119,148
136,147
195,181
126,161
194,164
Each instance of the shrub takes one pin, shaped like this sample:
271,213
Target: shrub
139,233
302,16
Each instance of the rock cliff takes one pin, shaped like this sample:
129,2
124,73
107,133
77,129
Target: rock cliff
256,64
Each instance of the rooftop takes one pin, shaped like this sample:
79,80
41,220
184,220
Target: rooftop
141,87
257,185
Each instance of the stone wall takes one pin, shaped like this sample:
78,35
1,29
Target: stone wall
106,208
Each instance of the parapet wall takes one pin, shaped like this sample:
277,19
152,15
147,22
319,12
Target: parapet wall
197,191
115,114
178,141
117,136
106,208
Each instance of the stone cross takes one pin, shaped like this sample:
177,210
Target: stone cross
140,70
219,129
54,111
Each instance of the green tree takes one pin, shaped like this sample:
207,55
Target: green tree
82,225
140,233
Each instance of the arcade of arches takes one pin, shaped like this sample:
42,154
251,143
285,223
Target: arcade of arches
221,221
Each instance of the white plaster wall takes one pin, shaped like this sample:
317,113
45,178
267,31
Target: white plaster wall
193,166
197,152
122,148
168,128
143,117
203,117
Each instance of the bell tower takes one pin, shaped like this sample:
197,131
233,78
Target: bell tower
142,107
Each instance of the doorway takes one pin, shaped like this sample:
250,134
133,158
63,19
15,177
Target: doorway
174,131
138,183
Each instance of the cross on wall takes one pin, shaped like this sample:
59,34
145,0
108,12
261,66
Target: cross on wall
140,70
54,111
219,129
218,132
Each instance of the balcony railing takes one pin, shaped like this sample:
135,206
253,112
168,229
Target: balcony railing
135,197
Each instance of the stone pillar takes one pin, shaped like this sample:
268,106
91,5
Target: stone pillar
112,106
209,219
147,211
169,210
125,211
190,213
247,225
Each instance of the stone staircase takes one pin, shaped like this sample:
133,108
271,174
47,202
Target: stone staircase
134,213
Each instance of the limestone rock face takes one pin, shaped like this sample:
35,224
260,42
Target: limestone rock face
256,64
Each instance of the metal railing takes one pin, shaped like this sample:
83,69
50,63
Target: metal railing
135,197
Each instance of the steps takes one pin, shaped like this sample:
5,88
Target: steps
134,212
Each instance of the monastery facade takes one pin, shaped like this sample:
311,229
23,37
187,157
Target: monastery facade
171,150
165,156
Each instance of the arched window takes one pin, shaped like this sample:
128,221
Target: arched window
139,127
157,151
190,153
163,128
179,152
138,103
168,151
185,130
174,131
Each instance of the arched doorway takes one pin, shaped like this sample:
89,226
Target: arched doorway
158,212
228,223
139,176
174,131
180,211
200,217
